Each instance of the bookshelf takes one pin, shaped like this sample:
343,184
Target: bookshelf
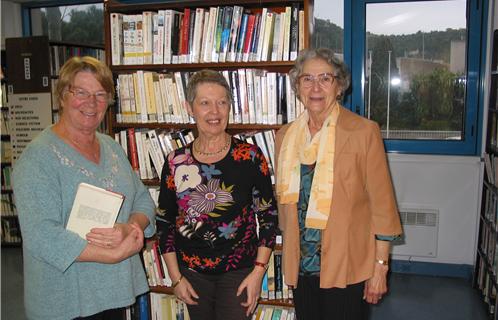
177,57
31,55
486,272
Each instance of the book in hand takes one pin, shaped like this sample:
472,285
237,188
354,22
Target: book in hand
93,207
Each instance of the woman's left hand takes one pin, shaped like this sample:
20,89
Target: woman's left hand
109,237
252,284
376,286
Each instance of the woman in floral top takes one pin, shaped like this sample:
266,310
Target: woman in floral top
212,192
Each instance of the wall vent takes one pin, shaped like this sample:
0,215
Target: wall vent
420,230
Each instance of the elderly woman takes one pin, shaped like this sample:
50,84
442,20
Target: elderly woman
212,192
337,209
66,276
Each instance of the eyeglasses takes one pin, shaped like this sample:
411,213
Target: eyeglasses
325,80
84,95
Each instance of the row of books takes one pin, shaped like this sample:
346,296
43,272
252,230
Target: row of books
8,206
486,283
148,149
491,166
200,35
273,286
10,232
259,97
167,307
265,312
59,54
139,310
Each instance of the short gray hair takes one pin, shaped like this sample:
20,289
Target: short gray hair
341,71
206,76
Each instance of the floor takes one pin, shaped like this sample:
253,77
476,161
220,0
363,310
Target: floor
410,297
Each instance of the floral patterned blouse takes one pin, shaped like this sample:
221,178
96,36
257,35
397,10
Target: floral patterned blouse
207,212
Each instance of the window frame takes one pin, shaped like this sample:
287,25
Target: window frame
477,16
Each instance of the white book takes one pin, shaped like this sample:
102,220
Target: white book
142,97
116,38
301,31
93,207
208,42
168,26
139,39
148,160
128,45
277,31
264,97
131,92
124,98
258,93
198,30
159,39
147,36
272,97
181,97
166,102
243,95
286,34
123,140
156,148
142,153
291,100
267,37
262,25
250,95
152,155
159,99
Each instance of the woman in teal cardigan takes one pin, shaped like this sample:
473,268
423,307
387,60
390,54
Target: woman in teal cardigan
66,276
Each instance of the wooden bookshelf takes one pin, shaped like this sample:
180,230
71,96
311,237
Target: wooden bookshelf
486,270
114,122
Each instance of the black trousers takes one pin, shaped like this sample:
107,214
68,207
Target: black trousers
111,314
217,295
313,303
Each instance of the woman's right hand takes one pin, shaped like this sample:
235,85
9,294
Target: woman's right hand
185,292
131,244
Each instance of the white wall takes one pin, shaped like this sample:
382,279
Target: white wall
11,20
450,185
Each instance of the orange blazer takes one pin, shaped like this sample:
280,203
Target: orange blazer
363,205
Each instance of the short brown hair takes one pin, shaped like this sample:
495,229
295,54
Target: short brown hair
206,76
87,64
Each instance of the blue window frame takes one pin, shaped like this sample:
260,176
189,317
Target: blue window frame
468,143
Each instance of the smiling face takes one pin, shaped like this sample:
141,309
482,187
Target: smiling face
210,109
318,99
83,114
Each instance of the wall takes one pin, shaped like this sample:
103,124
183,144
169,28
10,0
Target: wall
450,185
11,21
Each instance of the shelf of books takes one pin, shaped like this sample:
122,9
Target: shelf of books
153,48
487,252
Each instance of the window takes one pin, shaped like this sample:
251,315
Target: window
415,65
415,69
81,24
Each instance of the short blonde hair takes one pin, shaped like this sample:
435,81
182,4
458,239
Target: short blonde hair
86,64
